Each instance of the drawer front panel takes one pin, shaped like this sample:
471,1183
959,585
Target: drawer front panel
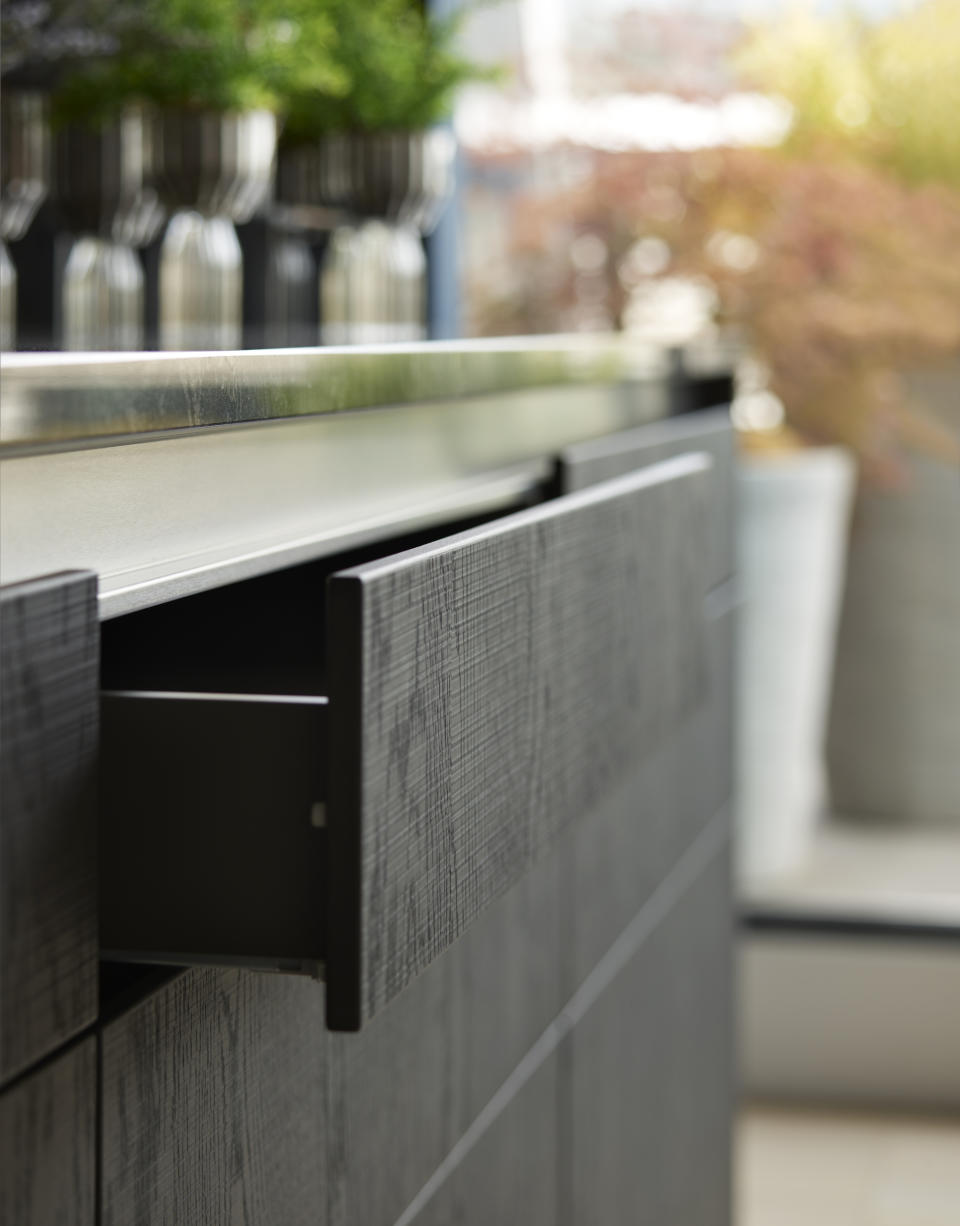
48,855
584,464
487,690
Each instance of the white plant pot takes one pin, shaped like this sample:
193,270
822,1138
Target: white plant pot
793,518
893,746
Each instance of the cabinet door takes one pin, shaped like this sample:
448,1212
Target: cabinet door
48,1145
49,643
624,847
225,1098
215,1104
506,1170
649,1069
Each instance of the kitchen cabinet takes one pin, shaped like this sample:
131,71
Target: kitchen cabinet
412,895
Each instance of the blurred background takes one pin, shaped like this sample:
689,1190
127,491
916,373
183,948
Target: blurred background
769,193
779,188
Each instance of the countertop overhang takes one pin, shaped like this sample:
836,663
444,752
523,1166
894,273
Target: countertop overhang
53,399
171,473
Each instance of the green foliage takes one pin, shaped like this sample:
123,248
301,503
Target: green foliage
886,93
400,67
206,54
320,64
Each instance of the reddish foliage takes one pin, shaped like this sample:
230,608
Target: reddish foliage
856,275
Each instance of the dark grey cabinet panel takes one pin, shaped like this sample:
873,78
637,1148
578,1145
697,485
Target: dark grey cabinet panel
507,984
49,644
650,1086
393,1103
509,1175
624,847
215,1104
224,1092
584,464
48,1145
484,692
413,1081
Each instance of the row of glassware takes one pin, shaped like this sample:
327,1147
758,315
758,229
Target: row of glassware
147,208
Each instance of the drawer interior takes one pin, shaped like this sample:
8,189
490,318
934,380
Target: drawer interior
213,771
260,636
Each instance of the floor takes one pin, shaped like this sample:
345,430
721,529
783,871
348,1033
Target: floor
802,1167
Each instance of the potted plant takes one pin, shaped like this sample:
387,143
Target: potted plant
880,101
24,182
208,77
93,173
372,152
371,146
837,276
833,275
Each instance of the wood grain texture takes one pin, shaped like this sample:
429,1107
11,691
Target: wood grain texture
650,1076
584,464
510,1175
485,691
624,847
49,643
507,983
225,1095
215,1104
393,1103
412,1082
415,1079
47,1143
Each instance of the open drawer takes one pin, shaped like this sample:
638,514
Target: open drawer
475,695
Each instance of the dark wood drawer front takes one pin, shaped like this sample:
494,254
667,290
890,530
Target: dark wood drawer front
487,690
584,464
484,692
49,642
48,1143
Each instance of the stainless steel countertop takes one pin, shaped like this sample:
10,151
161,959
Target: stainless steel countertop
53,399
171,473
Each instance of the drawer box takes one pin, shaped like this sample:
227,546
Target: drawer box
481,693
